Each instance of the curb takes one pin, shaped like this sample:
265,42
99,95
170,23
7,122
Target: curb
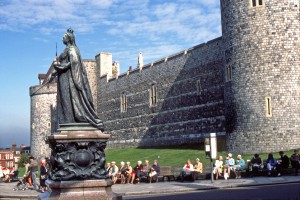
205,188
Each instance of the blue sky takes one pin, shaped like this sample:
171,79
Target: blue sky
30,29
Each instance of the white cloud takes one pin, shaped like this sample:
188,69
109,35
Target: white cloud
157,28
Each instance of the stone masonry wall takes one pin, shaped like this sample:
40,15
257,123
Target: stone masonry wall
183,114
90,67
261,44
43,118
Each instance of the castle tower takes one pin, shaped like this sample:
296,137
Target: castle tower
262,74
42,118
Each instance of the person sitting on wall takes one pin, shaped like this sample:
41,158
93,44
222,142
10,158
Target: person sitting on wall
239,166
229,166
154,172
226,168
108,166
198,168
271,164
1,173
136,174
283,162
218,168
186,170
256,164
295,161
128,172
121,173
146,169
9,174
113,170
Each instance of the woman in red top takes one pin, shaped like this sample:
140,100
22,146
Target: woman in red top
187,169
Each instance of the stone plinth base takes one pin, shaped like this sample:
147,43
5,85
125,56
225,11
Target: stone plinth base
80,190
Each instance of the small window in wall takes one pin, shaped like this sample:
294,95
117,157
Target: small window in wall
153,95
123,102
198,84
255,3
49,124
228,73
268,107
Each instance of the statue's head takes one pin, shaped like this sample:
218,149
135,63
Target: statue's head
69,37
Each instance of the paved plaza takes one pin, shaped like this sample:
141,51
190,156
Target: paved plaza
6,189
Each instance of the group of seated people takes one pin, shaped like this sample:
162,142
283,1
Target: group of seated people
190,171
6,174
224,169
273,166
128,174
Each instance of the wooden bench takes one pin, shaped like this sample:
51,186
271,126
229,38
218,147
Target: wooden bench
202,176
166,172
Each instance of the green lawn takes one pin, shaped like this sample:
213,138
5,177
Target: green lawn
170,156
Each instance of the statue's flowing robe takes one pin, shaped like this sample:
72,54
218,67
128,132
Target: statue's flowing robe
75,102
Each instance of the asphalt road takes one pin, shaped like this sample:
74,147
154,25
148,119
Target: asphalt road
271,192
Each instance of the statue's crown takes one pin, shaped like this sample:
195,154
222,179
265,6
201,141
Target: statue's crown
70,30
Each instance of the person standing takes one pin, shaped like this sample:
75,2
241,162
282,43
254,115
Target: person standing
33,168
27,174
43,175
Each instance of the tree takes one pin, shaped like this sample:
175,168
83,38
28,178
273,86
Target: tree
24,157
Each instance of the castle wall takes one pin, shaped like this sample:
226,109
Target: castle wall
183,114
261,44
42,118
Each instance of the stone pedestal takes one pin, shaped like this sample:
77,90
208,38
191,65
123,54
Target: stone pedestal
79,190
77,164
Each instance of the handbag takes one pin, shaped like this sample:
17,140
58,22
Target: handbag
43,177
152,173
